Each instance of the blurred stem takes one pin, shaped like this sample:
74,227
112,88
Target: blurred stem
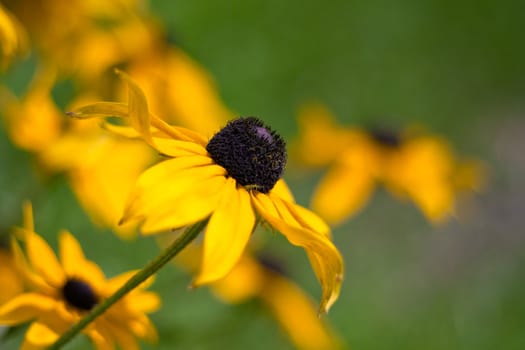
169,253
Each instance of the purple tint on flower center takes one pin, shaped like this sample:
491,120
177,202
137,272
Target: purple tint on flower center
264,134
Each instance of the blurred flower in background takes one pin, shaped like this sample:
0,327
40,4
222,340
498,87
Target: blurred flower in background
59,293
263,277
410,164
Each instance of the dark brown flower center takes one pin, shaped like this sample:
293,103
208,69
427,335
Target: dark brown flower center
251,153
79,294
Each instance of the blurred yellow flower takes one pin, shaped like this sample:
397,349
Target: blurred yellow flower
263,279
83,151
421,168
13,40
180,89
62,292
82,36
229,179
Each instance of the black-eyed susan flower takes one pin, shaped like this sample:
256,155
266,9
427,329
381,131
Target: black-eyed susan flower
232,179
263,278
61,291
420,167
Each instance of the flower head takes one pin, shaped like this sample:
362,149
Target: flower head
61,292
422,168
231,180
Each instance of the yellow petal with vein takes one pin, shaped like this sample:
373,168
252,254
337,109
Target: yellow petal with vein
138,108
326,260
99,109
228,232
189,207
160,187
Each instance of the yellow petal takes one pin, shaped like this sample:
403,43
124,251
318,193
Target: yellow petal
144,302
227,234
193,205
76,265
436,201
25,307
40,335
43,259
11,282
161,184
282,190
178,148
98,109
326,260
100,342
71,253
178,133
138,108
307,218
297,315
345,189
144,329
35,280
244,281
321,139
168,169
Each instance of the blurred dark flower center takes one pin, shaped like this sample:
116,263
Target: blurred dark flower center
251,153
79,294
385,137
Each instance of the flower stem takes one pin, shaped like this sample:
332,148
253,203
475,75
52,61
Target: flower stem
153,266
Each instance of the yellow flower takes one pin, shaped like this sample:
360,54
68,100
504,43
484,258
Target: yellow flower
13,39
422,168
263,278
62,292
231,179
62,31
100,180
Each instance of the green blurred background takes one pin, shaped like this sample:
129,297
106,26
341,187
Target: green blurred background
456,67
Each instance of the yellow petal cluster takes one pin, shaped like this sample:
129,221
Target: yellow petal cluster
421,168
51,313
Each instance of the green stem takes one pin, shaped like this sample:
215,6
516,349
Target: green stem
180,243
